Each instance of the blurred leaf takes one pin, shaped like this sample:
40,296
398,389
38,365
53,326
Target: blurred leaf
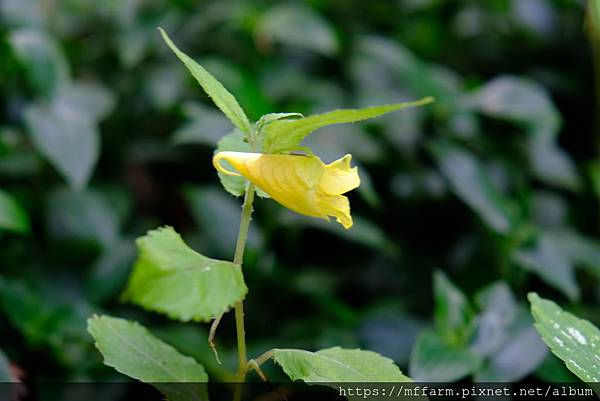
65,132
45,63
5,373
298,25
499,311
519,100
108,275
171,278
519,356
86,97
213,88
12,216
582,250
552,164
390,331
57,325
435,360
285,135
18,13
469,181
165,86
363,232
337,365
572,339
132,350
551,264
209,204
528,104
204,126
85,215
593,9
453,314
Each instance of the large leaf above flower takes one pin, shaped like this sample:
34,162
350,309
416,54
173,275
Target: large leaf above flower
224,100
283,136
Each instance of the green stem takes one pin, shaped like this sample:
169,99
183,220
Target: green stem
239,306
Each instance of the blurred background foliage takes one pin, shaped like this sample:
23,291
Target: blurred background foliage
465,205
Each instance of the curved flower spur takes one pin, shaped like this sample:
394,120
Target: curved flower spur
301,183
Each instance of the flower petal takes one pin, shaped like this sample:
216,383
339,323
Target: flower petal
339,177
301,183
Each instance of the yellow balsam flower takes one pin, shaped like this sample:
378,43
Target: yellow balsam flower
301,183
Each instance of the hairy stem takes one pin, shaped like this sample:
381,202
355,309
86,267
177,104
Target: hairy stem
239,306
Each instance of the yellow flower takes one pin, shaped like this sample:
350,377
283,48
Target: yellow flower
301,183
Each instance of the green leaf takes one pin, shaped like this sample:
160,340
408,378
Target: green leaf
45,63
285,135
453,314
299,26
84,214
529,105
594,16
271,117
205,126
171,278
235,185
133,351
5,372
470,183
12,216
499,310
213,88
435,360
551,263
210,204
234,141
337,365
573,340
520,354
65,130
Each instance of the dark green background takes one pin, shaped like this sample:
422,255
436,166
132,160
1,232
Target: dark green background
495,186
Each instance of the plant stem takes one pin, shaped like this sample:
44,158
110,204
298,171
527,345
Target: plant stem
239,306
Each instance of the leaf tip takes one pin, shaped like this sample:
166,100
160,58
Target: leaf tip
533,297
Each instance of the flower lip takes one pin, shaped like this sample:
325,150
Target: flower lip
302,183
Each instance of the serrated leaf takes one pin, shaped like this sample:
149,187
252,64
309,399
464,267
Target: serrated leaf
235,185
435,360
12,216
222,98
453,314
269,118
171,278
575,341
335,365
285,135
133,351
